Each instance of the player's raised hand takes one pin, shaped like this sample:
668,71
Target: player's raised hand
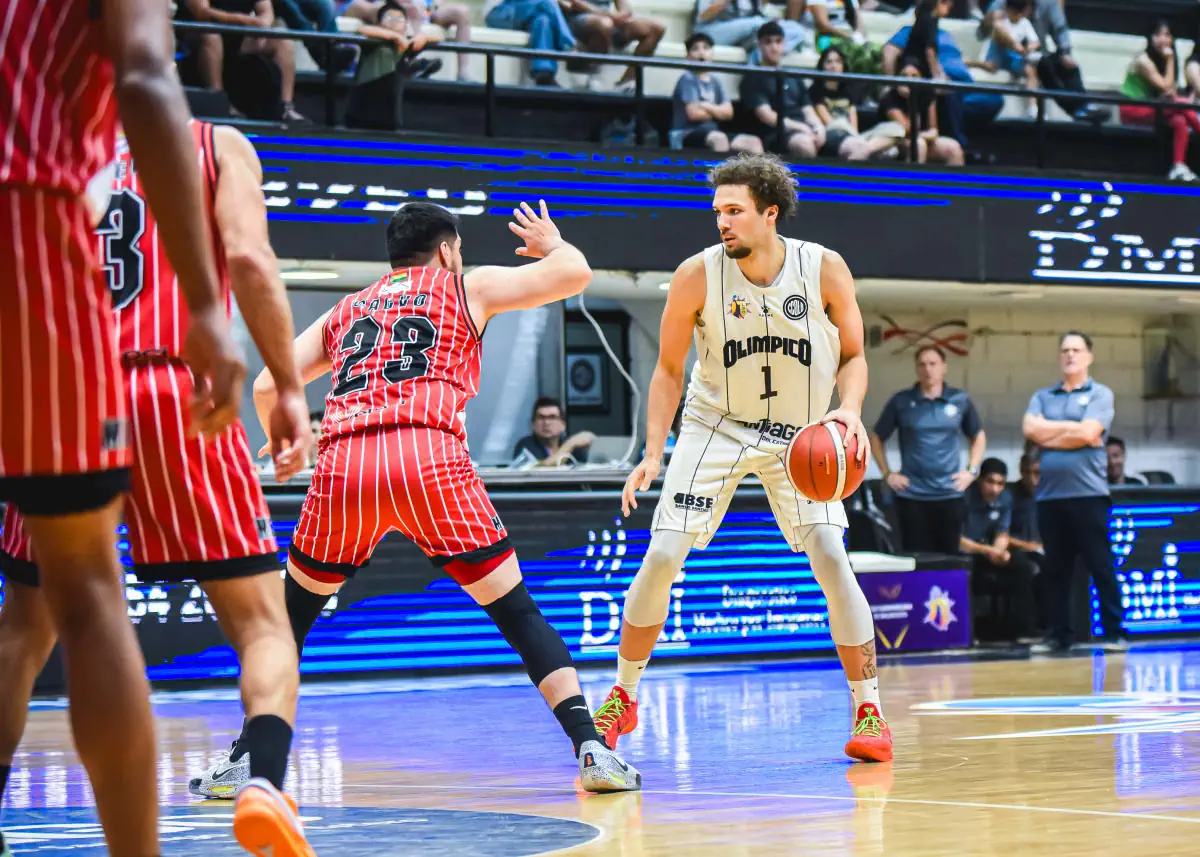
291,437
536,229
219,370
852,420
639,480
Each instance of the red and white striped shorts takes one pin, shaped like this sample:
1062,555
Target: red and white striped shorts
196,509
63,438
414,480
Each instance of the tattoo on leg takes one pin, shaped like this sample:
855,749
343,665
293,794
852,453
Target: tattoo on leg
869,669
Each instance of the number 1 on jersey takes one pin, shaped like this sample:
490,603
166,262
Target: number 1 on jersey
768,392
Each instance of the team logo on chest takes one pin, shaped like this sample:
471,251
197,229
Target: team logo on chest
795,307
738,307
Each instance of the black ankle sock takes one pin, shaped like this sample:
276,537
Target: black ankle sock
239,746
5,770
268,740
576,720
304,609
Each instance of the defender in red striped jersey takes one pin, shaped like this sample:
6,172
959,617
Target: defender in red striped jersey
65,69
197,511
405,356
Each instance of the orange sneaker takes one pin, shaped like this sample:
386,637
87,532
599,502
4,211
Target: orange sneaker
616,717
871,739
266,822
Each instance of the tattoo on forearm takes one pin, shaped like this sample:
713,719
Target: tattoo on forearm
869,668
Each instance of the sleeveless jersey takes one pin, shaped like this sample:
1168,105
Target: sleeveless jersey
405,352
150,308
57,112
767,355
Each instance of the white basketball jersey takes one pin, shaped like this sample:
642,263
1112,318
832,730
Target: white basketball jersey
765,354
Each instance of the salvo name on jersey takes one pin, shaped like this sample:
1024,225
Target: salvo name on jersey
739,349
401,301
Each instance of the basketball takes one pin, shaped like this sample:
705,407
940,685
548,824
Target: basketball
823,467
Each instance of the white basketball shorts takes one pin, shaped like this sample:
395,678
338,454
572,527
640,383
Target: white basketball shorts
708,464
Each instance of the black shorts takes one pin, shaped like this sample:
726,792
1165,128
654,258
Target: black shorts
833,141
697,138
575,21
64,494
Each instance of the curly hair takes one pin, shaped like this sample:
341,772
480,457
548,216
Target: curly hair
768,179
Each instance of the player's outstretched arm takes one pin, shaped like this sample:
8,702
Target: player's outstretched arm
137,38
841,305
561,271
685,301
241,214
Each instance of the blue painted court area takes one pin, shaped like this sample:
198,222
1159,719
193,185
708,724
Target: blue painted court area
203,831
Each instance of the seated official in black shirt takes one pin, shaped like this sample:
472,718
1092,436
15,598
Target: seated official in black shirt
1115,447
1024,537
803,132
997,571
548,444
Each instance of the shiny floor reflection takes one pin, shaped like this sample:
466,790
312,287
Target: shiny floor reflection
1090,755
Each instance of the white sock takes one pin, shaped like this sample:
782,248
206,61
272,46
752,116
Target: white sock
866,690
629,673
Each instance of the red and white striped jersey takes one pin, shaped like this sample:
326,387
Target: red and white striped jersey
405,352
151,314
58,117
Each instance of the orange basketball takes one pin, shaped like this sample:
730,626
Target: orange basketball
823,467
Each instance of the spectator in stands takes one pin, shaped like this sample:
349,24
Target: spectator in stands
701,105
215,53
930,417
836,103
803,132
547,27
956,106
1069,421
418,13
1014,47
1057,70
601,25
1154,76
318,16
1115,450
738,22
839,23
922,45
998,570
931,145
547,443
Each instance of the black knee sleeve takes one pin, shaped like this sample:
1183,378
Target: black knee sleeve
541,648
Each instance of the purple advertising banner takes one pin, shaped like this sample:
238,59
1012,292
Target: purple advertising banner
919,610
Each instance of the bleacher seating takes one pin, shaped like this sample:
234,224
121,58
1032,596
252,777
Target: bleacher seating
1103,57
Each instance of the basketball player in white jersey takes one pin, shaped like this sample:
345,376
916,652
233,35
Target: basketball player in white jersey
776,327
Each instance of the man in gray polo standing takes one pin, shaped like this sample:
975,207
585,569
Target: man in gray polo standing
930,417
1069,422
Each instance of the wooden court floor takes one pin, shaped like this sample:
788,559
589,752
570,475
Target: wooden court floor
1089,755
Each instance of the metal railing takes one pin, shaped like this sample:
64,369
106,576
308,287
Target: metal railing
640,64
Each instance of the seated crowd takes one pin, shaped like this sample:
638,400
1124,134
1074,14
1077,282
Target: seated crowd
1027,40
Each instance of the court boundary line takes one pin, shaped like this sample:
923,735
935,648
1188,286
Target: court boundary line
1102,813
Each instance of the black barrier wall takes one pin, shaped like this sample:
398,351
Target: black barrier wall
330,197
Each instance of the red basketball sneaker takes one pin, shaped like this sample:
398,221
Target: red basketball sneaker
616,717
871,739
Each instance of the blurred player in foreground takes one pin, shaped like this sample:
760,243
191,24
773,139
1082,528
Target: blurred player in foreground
197,511
66,68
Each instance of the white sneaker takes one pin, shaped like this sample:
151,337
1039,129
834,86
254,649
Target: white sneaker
1181,173
223,779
